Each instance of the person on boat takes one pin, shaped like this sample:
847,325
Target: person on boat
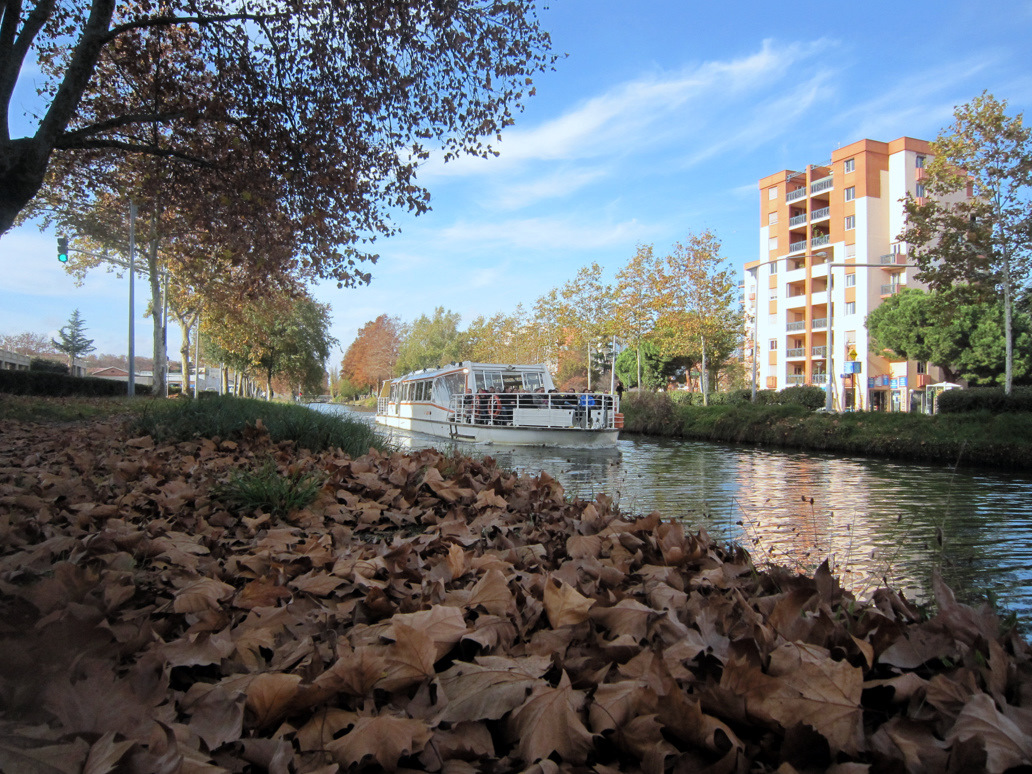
482,407
619,390
587,403
467,406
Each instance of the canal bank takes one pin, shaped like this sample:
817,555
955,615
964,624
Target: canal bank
997,441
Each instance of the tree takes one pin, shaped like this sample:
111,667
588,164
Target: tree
586,307
371,357
636,301
73,341
983,240
431,342
700,320
647,361
282,335
329,107
954,330
32,344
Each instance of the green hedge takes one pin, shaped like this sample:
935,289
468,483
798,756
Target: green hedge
991,399
809,396
51,384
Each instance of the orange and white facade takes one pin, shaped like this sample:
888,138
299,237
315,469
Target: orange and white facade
829,254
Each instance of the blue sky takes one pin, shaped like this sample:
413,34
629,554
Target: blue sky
660,121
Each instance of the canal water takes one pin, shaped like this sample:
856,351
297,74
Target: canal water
877,521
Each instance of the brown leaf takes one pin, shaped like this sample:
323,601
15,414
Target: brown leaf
203,594
216,713
105,754
34,758
270,696
444,625
804,685
564,605
409,659
490,688
549,722
492,593
385,739
1005,744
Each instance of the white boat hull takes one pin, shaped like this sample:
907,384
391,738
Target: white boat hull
504,435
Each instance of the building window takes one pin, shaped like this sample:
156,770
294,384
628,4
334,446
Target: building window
850,165
919,162
773,345
772,193
919,190
774,267
922,367
850,193
850,307
772,218
851,280
850,222
772,243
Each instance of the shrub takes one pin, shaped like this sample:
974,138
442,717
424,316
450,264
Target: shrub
54,385
47,366
991,399
803,395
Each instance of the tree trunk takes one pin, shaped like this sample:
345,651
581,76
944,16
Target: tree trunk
184,352
158,338
1008,334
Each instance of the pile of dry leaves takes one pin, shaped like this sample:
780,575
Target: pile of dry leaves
435,613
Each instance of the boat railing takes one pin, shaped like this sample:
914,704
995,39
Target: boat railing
587,411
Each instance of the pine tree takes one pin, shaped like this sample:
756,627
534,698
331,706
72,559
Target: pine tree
73,341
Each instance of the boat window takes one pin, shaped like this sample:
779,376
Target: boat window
421,391
452,384
532,381
490,381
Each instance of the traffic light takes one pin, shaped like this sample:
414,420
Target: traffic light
62,249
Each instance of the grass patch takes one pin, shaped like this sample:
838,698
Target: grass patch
35,408
227,417
267,490
978,438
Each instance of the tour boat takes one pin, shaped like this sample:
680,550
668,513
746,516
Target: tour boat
498,404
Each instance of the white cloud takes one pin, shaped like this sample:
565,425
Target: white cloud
638,113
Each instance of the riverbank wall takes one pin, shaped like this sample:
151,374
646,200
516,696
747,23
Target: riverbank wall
1000,441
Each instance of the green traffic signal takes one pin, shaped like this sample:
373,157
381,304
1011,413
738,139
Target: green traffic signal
62,249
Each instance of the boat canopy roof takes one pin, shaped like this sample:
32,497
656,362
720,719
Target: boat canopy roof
468,366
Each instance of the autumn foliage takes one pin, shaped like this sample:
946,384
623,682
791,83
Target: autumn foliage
435,613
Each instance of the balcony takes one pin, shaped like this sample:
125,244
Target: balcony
796,246
795,352
795,195
824,184
798,325
820,322
821,241
891,290
795,301
821,214
819,379
819,351
795,379
798,220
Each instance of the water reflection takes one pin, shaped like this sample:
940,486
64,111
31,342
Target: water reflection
877,521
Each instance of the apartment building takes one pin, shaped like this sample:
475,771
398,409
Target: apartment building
828,255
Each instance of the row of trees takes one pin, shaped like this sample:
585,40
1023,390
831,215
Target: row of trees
264,146
675,313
